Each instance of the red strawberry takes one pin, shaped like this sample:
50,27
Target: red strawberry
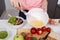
33,30
44,28
28,38
48,29
39,31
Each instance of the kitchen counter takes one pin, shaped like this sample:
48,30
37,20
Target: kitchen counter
4,24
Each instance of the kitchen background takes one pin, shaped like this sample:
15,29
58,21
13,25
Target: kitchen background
6,8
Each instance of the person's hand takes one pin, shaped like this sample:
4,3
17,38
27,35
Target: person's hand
15,4
44,5
51,21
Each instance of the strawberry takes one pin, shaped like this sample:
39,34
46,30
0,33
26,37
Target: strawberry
33,30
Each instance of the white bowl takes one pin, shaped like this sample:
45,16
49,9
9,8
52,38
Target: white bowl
17,26
38,13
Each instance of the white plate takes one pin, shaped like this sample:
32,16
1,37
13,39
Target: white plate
17,26
11,33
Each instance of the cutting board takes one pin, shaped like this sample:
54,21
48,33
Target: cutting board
52,34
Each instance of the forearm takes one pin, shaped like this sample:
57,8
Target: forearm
44,5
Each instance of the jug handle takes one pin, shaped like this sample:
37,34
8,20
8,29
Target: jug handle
24,12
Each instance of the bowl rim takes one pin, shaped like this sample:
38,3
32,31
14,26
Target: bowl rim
18,26
43,12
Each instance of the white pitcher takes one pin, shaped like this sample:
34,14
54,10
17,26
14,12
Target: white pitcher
36,17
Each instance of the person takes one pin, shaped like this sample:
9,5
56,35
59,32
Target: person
26,5
53,9
48,5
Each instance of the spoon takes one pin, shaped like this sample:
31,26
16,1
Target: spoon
45,37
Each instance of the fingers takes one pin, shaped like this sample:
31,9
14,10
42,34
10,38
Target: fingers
20,4
18,8
15,4
11,2
44,5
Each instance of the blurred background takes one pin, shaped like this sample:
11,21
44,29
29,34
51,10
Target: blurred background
6,8
53,9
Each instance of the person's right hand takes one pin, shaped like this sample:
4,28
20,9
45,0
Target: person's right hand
15,4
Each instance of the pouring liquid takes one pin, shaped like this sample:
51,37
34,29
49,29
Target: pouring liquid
36,23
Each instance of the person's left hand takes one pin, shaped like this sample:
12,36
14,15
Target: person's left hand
44,5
